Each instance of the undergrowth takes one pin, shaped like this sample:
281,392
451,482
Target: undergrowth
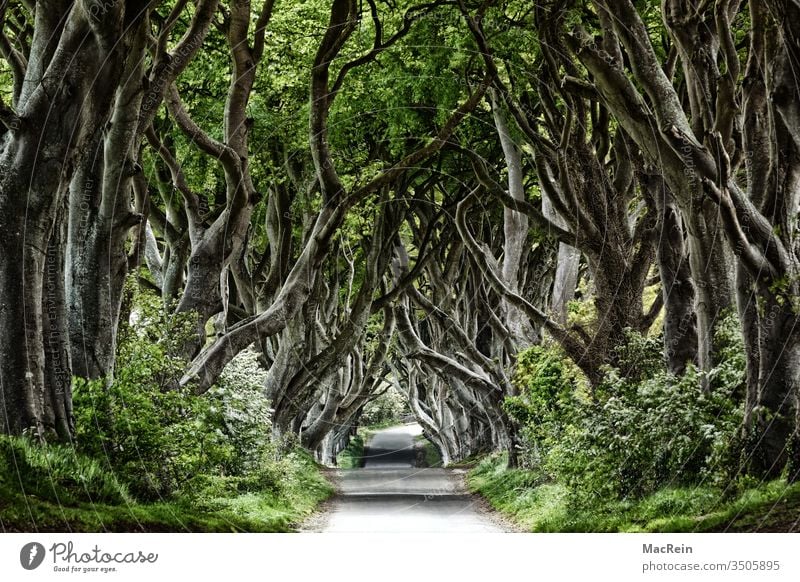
537,505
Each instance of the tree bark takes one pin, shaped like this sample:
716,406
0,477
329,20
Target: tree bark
67,94
677,287
515,235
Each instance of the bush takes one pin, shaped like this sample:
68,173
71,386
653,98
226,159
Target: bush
659,432
277,477
634,433
547,386
239,407
155,434
640,356
387,408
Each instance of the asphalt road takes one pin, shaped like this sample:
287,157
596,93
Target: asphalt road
390,495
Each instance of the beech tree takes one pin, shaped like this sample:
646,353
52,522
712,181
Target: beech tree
108,191
65,59
725,166
402,195
590,174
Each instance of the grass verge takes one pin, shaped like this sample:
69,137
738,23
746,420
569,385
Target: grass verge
545,507
55,489
352,457
427,453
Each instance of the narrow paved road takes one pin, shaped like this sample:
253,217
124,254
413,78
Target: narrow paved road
390,495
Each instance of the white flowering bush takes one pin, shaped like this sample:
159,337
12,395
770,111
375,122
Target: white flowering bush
387,408
242,410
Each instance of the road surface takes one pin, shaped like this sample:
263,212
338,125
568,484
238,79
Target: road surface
390,495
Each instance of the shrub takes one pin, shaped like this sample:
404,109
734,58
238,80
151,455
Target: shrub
239,407
640,357
152,432
387,408
547,386
638,432
650,434
276,476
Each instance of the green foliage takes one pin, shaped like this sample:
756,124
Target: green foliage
352,457
55,473
639,357
385,410
729,374
547,389
428,454
538,506
155,434
209,459
643,436
239,408
582,310
54,488
158,435
638,431
521,494
281,487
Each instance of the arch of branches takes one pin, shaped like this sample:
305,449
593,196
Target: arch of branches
399,195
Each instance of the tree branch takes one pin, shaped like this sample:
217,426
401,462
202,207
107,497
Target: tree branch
342,23
485,260
15,60
197,135
261,29
191,200
167,67
523,206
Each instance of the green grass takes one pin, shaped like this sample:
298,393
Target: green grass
468,462
539,506
428,455
52,488
56,473
352,457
